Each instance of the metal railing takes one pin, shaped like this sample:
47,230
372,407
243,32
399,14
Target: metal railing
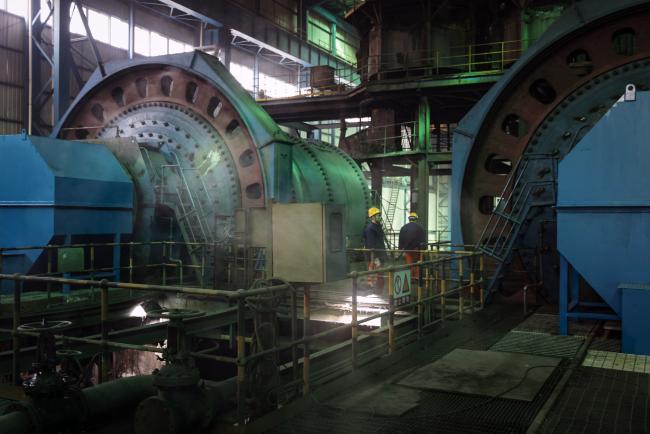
446,286
170,269
522,192
473,59
386,138
492,57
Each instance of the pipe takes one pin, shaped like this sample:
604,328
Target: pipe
526,288
124,392
183,410
99,401
16,422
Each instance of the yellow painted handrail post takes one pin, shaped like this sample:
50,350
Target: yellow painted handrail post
482,275
355,325
241,356
306,361
420,305
15,356
104,330
294,334
49,273
443,289
472,279
164,264
427,287
391,319
461,309
131,266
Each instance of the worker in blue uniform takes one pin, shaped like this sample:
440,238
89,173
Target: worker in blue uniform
373,238
412,239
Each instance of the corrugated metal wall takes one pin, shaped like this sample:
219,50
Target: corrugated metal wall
13,73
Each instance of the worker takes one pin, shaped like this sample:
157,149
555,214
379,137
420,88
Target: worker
412,239
373,238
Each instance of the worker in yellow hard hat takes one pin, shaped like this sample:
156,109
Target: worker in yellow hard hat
412,240
373,238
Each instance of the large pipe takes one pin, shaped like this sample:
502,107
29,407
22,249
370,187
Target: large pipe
98,401
16,422
184,409
124,392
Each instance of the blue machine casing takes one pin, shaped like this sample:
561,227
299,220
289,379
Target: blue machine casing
603,220
62,188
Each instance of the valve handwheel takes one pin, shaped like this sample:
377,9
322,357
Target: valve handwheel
44,326
175,314
68,353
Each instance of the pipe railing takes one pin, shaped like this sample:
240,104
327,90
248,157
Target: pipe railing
128,260
475,59
440,280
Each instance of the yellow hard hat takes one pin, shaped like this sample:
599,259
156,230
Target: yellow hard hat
413,215
373,211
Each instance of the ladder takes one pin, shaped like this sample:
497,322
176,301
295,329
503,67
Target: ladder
391,207
191,211
533,183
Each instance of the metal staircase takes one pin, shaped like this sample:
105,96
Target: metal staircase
533,183
174,190
391,207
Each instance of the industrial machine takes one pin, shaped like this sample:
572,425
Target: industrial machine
57,191
603,223
187,155
507,148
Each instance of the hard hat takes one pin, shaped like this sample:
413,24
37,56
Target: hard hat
413,215
373,211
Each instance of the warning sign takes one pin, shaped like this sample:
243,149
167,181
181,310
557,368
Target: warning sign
402,287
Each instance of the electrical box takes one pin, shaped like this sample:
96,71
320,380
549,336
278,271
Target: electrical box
309,242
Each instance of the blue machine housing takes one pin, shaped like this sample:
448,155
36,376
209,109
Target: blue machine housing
58,188
603,222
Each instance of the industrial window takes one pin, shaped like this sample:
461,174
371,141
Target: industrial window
16,7
119,33
158,44
243,74
275,87
107,29
99,25
346,47
318,31
282,12
76,25
176,47
141,41
336,232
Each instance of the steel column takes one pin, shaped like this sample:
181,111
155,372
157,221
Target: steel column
422,181
131,24
62,59
89,33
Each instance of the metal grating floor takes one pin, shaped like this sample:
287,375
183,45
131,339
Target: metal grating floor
617,361
440,411
443,412
539,344
606,344
549,323
601,401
